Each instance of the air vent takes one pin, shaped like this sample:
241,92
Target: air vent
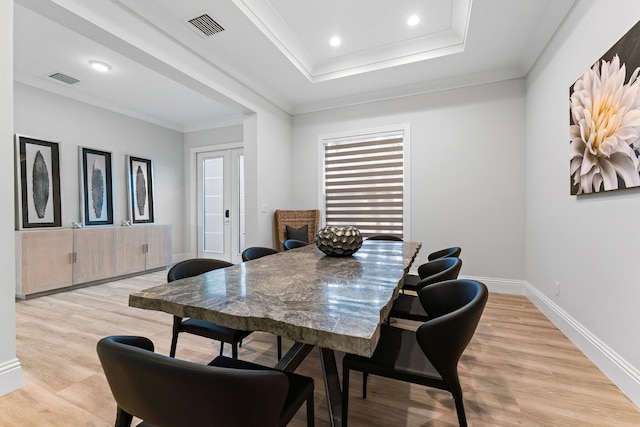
206,25
64,78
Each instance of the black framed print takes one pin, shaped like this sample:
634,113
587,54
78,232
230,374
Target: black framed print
140,173
96,187
37,183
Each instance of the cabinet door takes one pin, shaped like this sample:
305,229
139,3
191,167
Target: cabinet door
158,246
43,260
130,246
94,254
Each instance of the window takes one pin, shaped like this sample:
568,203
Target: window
365,184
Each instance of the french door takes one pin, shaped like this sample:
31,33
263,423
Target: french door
220,204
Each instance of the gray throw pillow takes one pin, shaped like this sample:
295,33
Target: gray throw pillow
301,233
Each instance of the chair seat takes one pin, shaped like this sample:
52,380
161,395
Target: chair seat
398,355
410,282
213,331
408,307
300,387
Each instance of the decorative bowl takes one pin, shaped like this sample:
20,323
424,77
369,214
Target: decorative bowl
339,241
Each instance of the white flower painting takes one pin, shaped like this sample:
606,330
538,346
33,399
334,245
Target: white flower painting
605,127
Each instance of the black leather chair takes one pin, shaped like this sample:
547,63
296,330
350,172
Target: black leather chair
293,243
256,252
428,356
170,392
453,252
390,237
411,280
300,389
195,267
408,306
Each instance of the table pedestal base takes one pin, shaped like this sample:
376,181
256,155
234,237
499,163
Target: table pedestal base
294,357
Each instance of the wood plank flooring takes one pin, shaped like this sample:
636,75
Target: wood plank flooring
518,370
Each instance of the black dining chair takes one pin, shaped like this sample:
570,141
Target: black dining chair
256,252
169,392
389,237
411,280
428,356
194,267
453,252
408,306
293,243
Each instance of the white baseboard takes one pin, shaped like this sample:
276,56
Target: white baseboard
501,286
10,376
624,375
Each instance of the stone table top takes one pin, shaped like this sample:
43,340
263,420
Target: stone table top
300,294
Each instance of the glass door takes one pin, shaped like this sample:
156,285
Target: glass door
220,207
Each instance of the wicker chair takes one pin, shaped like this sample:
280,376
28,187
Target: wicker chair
297,219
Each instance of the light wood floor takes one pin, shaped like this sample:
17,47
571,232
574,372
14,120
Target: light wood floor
518,370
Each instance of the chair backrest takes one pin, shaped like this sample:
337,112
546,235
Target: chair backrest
256,252
453,252
171,392
438,270
297,219
454,308
293,243
389,237
194,267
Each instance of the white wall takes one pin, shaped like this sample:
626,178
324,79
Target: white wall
204,138
467,169
52,117
589,244
273,173
10,370
268,174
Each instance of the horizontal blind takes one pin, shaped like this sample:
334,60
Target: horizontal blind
364,184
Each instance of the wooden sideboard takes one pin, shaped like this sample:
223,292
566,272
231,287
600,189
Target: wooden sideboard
55,259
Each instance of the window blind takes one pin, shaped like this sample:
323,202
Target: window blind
364,184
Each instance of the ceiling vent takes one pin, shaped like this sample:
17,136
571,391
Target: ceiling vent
64,78
206,25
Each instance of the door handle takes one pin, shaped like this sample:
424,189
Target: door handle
226,213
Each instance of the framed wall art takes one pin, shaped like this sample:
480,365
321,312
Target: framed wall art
604,120
37,183
96,187
140,173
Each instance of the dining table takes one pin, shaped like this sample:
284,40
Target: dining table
337,304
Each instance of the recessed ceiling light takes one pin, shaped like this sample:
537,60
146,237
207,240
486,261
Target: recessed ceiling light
335,41
413,20
100,66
